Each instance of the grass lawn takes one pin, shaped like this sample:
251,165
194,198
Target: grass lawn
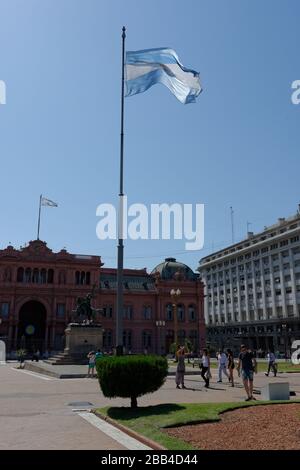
150,420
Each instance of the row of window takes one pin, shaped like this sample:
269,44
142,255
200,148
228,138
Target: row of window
258,284
268,293
82,278
147,312
46,276
127,313
5,309
254,241
248,266
35,276
147,338
269,314
253,329
287,278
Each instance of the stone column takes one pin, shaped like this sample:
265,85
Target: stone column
239,295
262,280
10,334
246,292
52,338
282,286
293,282
46,337
16,337
231,297
274,310
255,308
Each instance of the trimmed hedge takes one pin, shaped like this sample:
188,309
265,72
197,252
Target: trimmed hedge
131,376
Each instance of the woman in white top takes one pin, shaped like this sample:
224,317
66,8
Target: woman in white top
205,367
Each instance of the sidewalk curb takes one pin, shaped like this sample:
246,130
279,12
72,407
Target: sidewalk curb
139,437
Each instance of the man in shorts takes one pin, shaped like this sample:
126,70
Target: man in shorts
247,366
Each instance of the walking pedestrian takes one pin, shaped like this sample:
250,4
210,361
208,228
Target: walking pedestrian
222,364
91,357
230,366
35,355
246,367
180,367
271,363
205,367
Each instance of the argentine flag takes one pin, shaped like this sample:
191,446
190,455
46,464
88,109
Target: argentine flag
150,66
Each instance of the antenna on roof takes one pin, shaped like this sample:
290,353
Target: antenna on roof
232,224
248,225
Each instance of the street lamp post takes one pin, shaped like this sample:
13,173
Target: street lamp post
160,325
284,328
175,294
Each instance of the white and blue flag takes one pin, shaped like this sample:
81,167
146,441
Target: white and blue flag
150,66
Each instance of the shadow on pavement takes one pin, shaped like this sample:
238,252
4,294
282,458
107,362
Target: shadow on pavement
129,413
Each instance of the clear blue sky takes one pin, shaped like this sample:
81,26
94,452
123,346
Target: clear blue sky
59,131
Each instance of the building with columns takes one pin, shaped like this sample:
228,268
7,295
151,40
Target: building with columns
39,291
252,289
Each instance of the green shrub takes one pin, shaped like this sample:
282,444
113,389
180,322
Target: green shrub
131,376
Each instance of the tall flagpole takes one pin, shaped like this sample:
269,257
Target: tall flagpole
39,219
119,322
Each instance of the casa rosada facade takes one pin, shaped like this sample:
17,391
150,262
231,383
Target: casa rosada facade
39,291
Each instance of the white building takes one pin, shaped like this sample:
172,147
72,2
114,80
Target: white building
253,289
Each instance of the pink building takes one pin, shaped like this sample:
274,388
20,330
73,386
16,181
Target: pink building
39,290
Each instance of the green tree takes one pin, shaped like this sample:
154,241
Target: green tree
21,354
131,376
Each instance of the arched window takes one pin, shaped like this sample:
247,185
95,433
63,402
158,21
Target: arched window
43,276
192,313
169,312
62,278
107,339
107,311
147,312
35,276
4,309
88,278
170,335
28,275
180,312
147,339
127,339
128,312
181,337
82,278
193,337
50,276
20,275
169,340
61,310
77,278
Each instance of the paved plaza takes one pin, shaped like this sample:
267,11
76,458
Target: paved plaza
37,411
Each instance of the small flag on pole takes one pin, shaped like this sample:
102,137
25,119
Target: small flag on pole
44,202
150,66
48,202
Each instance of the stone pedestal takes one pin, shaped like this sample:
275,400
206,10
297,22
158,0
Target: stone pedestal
2,352
80,340
276,391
